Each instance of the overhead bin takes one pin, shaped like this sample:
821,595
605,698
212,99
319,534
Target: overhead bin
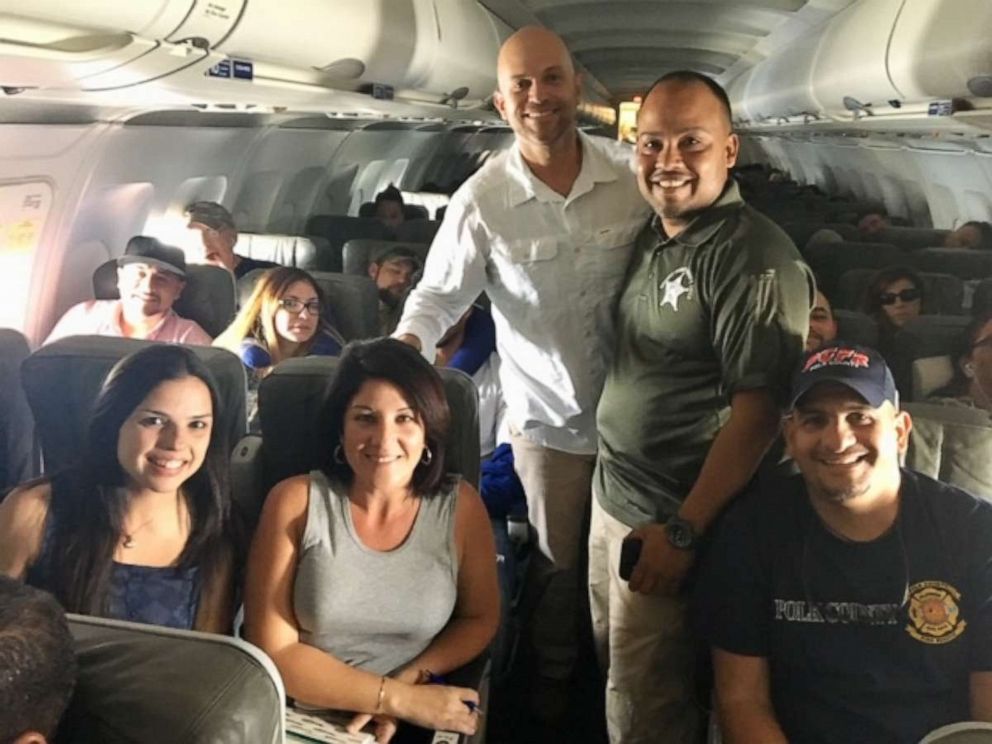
424,51
886,57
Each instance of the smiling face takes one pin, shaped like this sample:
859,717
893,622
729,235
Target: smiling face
685,149
147,290
296,316
538,91
384,437
898,310
165,439
844,448
822,325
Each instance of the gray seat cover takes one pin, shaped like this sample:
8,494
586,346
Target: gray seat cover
358,254
285,250
18,449
952,444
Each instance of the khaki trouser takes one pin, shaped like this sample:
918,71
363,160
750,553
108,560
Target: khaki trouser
557,485
644,648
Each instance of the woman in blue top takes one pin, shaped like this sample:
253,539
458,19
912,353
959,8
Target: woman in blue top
139,530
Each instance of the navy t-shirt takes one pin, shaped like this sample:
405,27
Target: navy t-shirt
866,641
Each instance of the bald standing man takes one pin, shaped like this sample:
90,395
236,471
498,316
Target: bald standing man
710,325
546,229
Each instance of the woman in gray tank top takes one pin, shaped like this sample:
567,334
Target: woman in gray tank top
376,572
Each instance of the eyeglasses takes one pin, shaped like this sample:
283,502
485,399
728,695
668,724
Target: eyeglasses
907,295
295,306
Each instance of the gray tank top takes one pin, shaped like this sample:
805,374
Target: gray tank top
370,609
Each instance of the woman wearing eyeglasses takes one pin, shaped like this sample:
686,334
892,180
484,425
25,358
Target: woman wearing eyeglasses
894,297
972,382
281,320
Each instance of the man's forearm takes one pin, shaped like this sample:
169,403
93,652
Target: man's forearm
733,457
750,724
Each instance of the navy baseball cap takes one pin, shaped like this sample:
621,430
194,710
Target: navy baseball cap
147,250
860,368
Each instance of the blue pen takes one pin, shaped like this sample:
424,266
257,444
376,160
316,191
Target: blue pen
437,679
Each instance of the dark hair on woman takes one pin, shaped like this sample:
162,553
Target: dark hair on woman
400,364
89,502
984,233
963,346
872,303
390,193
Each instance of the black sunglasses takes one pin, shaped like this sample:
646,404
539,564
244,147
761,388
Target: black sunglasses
907,295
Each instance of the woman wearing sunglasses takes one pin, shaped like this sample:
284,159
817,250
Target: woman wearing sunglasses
894,297
281,320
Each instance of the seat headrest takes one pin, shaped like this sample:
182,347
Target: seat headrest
290,400
18,453
417,231
415,212
856,327
931,374
156,685
339,229
943,294
352,301
951,443
285,250
358,254
207,298
912,237
63,378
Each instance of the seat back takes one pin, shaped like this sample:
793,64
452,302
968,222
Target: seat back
285,250
981,298
931,374
964,263
943,294
358,254
857,328
965,732
62,380
925,336
830,261
18,448
430,200
290,400
417,231
912,237
352,301
338,230
144,683
952,444
207,298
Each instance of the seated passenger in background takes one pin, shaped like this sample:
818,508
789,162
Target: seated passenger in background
37,664
852,603
219,236
974,234
281,320
150,278
971,385
376,571
893,298
389,207
140,529
871,224
393,271
822,325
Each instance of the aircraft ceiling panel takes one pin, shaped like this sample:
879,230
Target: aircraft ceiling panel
624,45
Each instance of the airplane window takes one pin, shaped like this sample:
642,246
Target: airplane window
23,210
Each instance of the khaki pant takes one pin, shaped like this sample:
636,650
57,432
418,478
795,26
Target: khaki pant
557,485
644,648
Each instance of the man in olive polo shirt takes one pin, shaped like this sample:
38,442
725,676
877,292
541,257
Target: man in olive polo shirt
710,324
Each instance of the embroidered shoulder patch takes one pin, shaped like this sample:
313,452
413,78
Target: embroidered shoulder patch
934,612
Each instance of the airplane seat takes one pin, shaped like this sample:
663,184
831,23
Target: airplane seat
912,238
830,261
415,212
352,301
144,683
285,250
965,732
801,230
943,294
856,327
981,298
62,379
359,254
366,209
930,374
430,200
439,213
951,443
19,459
417,231
339,229
925,336
964,263
207,298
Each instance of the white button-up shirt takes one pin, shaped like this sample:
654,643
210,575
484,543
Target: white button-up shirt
552,267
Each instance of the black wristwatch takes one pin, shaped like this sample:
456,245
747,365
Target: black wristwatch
680,533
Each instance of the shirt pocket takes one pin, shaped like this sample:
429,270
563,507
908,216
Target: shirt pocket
532,251
616,235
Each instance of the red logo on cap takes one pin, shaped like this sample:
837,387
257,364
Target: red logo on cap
836,355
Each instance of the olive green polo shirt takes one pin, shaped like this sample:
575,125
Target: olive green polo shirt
721,307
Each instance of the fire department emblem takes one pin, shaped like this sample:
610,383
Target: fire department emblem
934,612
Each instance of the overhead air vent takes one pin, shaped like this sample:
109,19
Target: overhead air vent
347,68
981,86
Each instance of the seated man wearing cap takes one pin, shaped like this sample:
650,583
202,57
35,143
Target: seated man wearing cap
150,278
392,271
219,235
852,602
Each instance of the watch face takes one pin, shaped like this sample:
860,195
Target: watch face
679,534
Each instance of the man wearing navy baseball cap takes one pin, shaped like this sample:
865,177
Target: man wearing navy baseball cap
852,602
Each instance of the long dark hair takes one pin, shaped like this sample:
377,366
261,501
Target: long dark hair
395,362
872,302
89,501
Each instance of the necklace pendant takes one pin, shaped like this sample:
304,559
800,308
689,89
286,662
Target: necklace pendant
128,542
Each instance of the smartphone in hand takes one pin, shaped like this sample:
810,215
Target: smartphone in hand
630,553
